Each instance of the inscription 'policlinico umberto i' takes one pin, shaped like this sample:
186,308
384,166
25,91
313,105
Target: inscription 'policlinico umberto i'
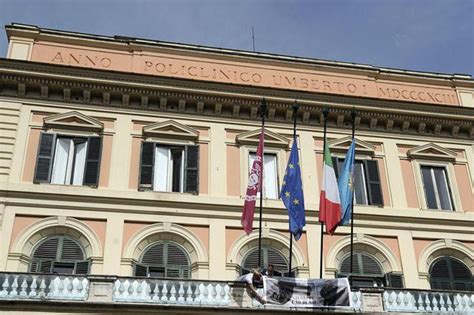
251,75
276,78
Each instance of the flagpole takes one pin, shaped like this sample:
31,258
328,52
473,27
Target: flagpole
295,111
353,115
325,115
263,111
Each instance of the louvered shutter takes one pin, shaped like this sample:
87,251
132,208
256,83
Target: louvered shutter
94,151
191,170
154,255
373,182
141,270
48,249
146,165
82,267
394,280
370,266
251,261
277,260
176,256
71,251
44,160
346,265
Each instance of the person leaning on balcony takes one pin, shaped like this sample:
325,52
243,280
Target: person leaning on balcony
251,279
270,272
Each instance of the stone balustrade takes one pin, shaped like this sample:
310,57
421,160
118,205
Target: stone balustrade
112,290
43,287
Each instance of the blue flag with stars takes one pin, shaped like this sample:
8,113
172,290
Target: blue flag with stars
292,193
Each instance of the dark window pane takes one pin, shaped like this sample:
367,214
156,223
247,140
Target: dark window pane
176,156
67,268
429,187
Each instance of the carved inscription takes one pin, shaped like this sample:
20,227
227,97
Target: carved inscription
246,74
77,59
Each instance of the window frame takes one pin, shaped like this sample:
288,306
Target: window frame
61,134
59,251
184,165
362,159
246,150
164,266
265,249
450,178
169,180
451,279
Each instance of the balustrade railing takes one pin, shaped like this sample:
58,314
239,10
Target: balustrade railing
189,292
26,286
428,301
41,287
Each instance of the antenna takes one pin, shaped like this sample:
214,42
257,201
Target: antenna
253,39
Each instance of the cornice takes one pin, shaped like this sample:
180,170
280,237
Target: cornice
53,83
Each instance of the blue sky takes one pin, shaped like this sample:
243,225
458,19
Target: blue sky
424,35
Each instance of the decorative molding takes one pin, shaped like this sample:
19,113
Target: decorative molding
366,243
343,144
88,87
444,247
73,120
170,129
53,226
433,152
272,139
158,232
275,240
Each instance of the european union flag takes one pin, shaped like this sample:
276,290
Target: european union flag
292,193
346,187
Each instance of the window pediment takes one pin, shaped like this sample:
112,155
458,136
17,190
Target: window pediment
73,120
432,151
272,139
343,144
170,129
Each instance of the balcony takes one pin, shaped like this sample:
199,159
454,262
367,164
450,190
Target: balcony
36,291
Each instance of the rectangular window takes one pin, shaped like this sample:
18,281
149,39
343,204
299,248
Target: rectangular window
436,187
67,160
366,181
169,168
270,174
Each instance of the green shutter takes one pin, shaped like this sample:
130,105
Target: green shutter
191,170
92,167
44,160
374,188
146,165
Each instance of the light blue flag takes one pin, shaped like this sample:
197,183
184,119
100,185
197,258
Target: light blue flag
346,187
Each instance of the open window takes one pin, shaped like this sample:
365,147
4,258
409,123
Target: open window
59,254
275,148
164,260
269,256
169,163
69,151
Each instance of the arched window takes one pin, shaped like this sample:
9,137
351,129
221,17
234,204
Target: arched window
450,274
366,270
59,254
270,256
163,260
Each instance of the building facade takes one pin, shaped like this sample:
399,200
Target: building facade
129,158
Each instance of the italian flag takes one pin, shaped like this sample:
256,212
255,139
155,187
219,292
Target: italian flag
329,201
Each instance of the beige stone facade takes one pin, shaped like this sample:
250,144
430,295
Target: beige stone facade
128,91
